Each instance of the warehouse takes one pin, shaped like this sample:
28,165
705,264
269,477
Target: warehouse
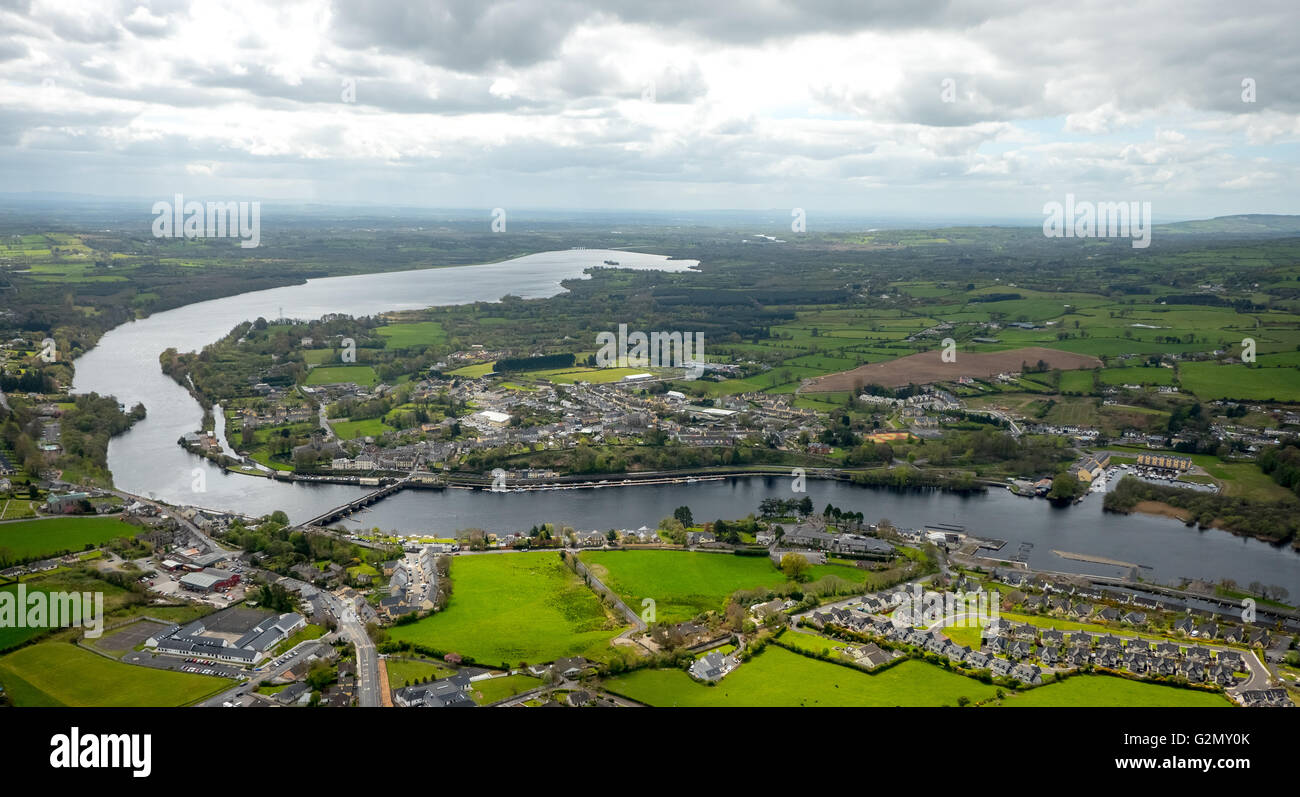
209,580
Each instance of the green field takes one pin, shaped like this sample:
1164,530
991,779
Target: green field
34,539
492,690
1210,381
1108,690
404,671
405,336
12,636
777,677
682,583
362,375
1137,376
516,607
60,674
350,430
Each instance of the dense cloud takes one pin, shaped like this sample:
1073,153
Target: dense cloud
951,108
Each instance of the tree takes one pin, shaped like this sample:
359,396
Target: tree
794,566
683,516
1065,487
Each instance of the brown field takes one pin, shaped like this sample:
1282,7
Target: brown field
928,367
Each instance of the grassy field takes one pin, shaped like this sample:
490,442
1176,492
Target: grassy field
362,375
682,583
1210,381
492,690
12,636
350,430
812,643
1108,690
512,608
405,336
60,674
31,539
777,677
404,671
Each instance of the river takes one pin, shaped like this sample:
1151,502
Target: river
147,461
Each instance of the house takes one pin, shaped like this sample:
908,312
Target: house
450,692
1081,609
1135,618
1078,657
1258,638
871,655
1185,626
295,694
1027,673
713,666
580,697
1019,649
957,654
1109,614
1206,630
977,660
1052,636
1221,675
1000,666
571,667
1049,655
762,611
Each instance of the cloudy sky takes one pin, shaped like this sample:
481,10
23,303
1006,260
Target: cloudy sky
892,107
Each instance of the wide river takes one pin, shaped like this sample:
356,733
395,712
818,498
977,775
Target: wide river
147,461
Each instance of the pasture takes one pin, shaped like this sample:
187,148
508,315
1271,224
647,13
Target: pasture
515,607
60,674
683,584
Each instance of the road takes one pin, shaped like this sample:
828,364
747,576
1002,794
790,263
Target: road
172,512
352,629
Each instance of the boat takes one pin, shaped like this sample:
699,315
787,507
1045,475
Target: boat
611,262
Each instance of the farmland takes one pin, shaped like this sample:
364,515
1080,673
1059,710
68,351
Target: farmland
508,609
683,584
59,674
362,375
930,367
33,539
1107,691
777,677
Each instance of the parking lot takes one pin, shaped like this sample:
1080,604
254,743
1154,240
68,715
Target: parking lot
145,658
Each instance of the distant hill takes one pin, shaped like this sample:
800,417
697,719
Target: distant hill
1246,224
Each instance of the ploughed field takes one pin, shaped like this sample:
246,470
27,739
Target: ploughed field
928,367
